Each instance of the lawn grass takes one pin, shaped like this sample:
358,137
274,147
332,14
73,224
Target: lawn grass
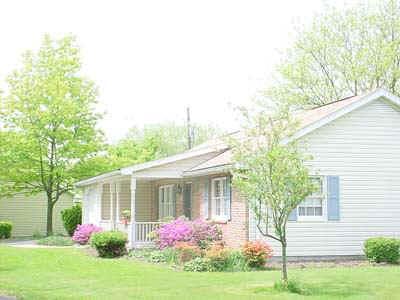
55,240
70,273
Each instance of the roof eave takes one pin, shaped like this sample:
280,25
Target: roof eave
98,178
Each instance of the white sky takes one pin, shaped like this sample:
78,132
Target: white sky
151,59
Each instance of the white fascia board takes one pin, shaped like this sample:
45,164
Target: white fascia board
163,161
98,178
208,171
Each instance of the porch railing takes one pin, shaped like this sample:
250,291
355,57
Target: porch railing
143,229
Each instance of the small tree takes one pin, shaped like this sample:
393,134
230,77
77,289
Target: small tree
49,124
270,172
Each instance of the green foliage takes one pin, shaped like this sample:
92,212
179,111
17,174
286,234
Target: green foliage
5,229
50,127
218,260
236,262
38,235
71,218
170,255
199,264
169,138
109,243
382,249
167,255
156,257
217,257
76,275
342,53
270,171
55,240
151,142
292,286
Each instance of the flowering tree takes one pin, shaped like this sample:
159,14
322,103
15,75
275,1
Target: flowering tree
270,172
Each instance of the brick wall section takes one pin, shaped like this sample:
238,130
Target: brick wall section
236,231
197,198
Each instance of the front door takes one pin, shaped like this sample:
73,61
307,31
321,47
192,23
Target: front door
187,200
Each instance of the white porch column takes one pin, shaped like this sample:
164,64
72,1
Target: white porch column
99,194
133,213
117,196
112,208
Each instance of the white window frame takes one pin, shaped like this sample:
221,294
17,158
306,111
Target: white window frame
322,196
166,210
223,215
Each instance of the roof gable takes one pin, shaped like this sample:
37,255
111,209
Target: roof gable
320,116
310,120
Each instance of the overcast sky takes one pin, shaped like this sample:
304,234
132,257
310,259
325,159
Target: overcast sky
151,59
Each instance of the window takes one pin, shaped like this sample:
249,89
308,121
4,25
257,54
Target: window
219,196
313,205
166,201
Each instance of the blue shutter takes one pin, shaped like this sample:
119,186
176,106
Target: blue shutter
228,199
333,198
293,215
206,193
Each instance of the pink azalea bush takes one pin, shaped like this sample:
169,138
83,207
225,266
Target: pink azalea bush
83,233
197,232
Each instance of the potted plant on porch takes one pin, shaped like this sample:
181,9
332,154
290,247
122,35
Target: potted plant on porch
126,216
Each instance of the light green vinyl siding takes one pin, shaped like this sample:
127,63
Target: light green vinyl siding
28,214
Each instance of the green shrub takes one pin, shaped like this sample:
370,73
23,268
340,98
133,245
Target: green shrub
156,256
382,249
199,264
5,230
218,259
71,218
292,286
56,240
170,255
236,262
38,235
109,243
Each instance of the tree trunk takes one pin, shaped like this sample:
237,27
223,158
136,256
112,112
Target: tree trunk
284,263
49,225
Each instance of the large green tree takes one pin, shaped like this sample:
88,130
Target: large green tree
49,124
149,142
171,137
270,172
342,53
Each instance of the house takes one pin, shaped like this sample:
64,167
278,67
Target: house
28,214
355,144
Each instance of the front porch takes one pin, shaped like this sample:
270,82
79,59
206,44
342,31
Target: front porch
149,201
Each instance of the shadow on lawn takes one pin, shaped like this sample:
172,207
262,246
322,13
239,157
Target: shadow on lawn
331,290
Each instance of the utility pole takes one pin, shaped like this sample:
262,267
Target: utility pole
189,129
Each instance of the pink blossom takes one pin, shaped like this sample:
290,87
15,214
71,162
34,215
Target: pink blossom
83,233
198,232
